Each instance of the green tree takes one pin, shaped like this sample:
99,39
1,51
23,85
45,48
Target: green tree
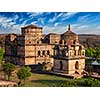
24,73
1,58
90,52
1,54
97,52
8,68
92,82
93,52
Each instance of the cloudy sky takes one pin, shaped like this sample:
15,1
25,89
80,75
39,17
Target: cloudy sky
81,22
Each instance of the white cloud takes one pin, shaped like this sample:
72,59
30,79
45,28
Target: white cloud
56,24
41,21
24,23
85,29
34,22
88,19
56,29
68,15
61,16
77,28
16,17
9,24
84,18
55,17
51,20
34,14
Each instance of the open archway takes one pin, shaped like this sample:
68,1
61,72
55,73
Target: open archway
61,65
77,65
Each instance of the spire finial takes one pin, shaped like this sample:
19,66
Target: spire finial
69,27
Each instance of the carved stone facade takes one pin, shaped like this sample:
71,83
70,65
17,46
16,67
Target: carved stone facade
63,52
69,59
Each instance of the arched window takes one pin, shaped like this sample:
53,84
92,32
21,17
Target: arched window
74,42
29,41
27,31
64,42
75,53
55,41
83,53
80,47
48,52
61,65
60,42
39,63
39,53
43,52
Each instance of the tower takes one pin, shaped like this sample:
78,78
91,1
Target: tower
69,27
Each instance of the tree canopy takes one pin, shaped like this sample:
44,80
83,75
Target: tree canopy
1,54
8,68
93,52
24,73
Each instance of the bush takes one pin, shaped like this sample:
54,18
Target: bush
24,73
1,54
92,82
8,68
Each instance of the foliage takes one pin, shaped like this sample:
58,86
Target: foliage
24,73
93,52
1,54
90,52
97,52
88,82
92,82
8,68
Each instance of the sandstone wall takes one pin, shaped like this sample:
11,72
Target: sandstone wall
57,65
71,64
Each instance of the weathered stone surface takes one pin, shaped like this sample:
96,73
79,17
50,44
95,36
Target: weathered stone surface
62,52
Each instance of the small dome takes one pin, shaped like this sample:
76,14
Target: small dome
69,36
69,33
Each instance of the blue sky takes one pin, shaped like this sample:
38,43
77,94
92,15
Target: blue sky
56,22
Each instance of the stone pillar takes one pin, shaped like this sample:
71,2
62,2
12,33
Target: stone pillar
63,42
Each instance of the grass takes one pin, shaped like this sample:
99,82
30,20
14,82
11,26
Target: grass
45,80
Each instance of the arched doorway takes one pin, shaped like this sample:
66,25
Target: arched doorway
76,72
77,65
61,65
77,68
